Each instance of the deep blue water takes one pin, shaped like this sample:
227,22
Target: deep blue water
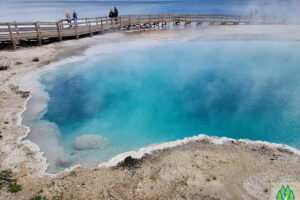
50,10
166,92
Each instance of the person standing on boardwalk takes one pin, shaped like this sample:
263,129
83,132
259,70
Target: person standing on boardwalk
69,19
111,14
116,14
75,18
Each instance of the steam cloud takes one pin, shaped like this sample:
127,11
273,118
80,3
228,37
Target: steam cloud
86,142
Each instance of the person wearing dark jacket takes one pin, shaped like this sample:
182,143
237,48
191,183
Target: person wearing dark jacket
111,14
116,12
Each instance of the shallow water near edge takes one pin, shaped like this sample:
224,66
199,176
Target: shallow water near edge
160,93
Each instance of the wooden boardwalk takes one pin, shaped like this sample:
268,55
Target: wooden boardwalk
14,33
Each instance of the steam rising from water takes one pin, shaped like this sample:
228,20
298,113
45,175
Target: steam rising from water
166,92
92,141
277,9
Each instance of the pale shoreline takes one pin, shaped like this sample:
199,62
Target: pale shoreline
36,164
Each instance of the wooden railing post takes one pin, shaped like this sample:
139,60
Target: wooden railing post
120,18
129,21
158,20
144,23
58,32
38,34
222,19
13,41
173,20
96,21
86,22
139,23
101,26
16,28
149,21
90,28
76,31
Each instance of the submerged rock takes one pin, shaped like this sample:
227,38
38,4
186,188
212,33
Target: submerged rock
86,142
63,161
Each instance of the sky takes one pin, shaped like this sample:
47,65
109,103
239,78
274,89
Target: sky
52,10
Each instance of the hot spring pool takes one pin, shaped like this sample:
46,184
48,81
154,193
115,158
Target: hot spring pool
165,92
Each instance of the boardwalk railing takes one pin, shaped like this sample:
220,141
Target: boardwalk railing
14,32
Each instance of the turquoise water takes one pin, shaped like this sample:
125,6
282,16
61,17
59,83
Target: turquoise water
165,92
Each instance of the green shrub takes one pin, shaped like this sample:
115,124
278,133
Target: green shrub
36,198
19,63
13,188
6,122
